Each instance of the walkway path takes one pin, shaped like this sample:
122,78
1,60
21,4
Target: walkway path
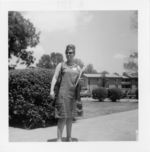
115,127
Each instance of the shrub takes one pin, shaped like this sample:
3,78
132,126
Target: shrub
29,103
99,93
114,94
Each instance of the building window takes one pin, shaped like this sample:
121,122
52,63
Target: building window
126,86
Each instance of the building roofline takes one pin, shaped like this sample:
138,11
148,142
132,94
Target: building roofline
107,76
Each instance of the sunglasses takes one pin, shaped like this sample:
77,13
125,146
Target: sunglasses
69,52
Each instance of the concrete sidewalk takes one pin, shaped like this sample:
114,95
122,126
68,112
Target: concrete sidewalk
115,127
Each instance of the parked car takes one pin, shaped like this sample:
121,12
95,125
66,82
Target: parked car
85,93
131,94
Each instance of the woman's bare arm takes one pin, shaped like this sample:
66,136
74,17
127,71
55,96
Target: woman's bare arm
54,79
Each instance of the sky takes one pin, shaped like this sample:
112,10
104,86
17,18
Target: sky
102,38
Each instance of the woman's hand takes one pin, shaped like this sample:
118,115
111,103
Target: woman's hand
52,94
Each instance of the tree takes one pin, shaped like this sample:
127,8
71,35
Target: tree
117,74
45,62
104,80
50,61
104,73
79,62
131,66
134,21
21,35
55,59
90,69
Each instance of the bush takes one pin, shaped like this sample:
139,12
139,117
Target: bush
29,103
114,94
99,93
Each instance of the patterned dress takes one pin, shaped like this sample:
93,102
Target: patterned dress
65,106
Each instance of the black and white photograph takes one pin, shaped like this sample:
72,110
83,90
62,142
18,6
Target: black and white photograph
75,75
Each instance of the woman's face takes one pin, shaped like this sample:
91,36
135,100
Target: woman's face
70,55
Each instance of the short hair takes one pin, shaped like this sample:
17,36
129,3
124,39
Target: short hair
70,47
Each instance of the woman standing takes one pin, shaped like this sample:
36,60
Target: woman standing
65,106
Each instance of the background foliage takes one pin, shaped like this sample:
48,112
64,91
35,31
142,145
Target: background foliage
99,93
22,34
50,61
29,103
114,94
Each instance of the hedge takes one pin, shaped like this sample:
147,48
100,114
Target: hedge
114,94
99,93
29,103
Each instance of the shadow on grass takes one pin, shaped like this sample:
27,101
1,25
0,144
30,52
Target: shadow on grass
63,140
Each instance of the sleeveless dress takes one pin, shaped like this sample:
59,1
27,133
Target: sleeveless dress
65,106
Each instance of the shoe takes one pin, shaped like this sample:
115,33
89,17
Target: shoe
59,140
69,139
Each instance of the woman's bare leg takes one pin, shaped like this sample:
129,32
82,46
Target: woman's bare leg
60,127
68,128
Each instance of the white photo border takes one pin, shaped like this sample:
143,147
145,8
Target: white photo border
143,7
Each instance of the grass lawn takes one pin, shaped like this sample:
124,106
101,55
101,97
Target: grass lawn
93,108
